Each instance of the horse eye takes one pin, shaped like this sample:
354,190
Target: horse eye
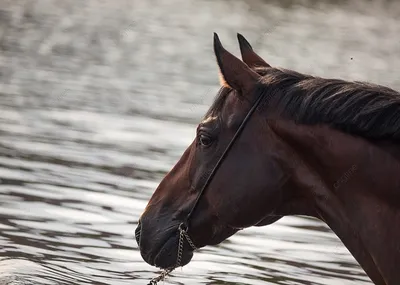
205,140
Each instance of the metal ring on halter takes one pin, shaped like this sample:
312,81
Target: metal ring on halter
183,227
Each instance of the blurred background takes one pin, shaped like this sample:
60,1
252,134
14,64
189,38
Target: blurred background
98,100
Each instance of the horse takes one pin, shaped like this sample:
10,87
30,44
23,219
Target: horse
274,143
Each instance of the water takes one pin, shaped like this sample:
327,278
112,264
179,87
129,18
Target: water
97,102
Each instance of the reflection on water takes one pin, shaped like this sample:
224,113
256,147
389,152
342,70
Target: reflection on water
99,100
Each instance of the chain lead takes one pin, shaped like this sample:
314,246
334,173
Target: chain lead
182,235
161,277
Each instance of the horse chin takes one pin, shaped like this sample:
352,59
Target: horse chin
168,254
166,258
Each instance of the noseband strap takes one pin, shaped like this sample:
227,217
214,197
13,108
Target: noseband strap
184,227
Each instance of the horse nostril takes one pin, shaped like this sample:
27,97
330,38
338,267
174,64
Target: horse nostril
138,232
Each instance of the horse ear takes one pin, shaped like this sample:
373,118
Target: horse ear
233,72
248,55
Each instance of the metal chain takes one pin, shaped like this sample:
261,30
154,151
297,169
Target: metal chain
180,248
190,242
182,235
161,277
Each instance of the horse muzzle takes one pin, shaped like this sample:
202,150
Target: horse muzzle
160,248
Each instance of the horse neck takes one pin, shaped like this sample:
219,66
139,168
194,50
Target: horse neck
354,186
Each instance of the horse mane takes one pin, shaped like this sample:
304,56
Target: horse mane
358,108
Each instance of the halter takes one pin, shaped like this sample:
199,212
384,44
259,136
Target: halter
184,226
